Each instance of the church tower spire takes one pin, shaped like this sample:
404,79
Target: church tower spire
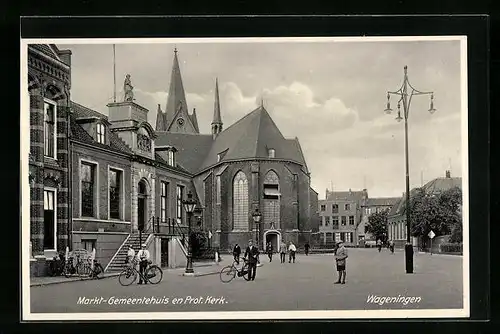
176,117
217,121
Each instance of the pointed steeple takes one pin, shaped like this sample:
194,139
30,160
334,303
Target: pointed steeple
194,120
217,121
176,94
159,120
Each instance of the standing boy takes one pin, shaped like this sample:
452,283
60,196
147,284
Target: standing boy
341,259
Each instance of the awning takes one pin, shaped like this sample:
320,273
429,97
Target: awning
272,192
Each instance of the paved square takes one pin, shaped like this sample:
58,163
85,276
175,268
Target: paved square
305,285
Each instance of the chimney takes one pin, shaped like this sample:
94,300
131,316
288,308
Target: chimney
448,174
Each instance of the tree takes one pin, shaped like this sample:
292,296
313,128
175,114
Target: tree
377,224
437,212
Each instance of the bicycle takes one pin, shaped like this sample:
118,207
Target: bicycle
153,274
228,273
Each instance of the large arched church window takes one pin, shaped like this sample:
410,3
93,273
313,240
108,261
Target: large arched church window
272,200
240,202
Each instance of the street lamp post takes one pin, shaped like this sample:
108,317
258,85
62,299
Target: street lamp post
189,205
405,93
256,218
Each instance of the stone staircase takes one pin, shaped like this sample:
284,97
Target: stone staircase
118,262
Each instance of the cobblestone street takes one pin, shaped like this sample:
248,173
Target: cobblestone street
305,285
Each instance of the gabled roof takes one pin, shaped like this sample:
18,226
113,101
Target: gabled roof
192,148
382,201
251,137
357,196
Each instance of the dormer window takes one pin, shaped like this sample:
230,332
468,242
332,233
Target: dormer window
219,157
101,133
171,157
271,153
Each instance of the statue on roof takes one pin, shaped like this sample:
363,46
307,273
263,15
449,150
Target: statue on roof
128,89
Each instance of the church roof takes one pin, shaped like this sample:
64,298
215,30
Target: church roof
251,137
191,148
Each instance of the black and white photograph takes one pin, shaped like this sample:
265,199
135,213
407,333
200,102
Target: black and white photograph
244,178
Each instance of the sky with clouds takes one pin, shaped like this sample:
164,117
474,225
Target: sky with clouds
329,94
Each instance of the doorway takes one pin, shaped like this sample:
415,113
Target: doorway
274,239
164,252
141,206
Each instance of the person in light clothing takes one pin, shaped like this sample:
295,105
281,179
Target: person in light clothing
292,249
143,257
130,256
341,259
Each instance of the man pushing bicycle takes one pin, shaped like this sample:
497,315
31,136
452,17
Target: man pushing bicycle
143,257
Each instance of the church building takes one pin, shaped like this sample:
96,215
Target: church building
237,170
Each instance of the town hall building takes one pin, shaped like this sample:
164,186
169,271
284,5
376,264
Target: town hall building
107,182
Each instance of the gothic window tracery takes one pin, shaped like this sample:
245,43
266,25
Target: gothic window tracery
240,202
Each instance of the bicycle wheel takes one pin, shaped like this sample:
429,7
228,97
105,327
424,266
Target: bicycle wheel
245,268
67,271
98,271
83,269
127,277
154,274
227,274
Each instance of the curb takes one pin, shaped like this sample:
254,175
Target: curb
69,280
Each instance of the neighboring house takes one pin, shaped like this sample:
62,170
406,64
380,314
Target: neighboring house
340,214
396,219
122,183
49,82
370,206
248,166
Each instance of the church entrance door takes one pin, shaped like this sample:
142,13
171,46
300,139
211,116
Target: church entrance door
274,237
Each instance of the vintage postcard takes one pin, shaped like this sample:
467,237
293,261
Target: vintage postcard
244,178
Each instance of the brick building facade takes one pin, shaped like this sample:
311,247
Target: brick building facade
248,166
49,81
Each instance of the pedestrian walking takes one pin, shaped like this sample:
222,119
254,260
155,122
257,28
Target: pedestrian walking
391,246
292,250
379,245
143,257
237,253
269,251
341,260
306,248
252,254
283,252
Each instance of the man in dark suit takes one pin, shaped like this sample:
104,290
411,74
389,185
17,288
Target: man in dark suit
253,253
